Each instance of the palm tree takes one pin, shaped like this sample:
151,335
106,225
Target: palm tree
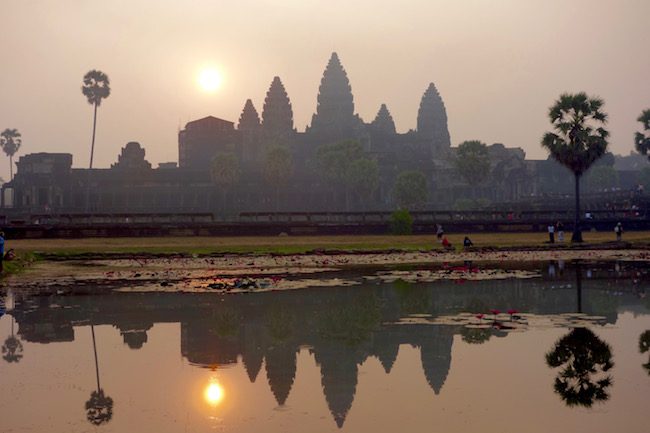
95,87
99,407
644,346
225,172
12,350
10,142
579,139
642,139
585,359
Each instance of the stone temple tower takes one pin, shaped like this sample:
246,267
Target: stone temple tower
277,115
384,121
334,117
250,128
432,121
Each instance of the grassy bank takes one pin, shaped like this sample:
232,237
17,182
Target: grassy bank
295,244
18,264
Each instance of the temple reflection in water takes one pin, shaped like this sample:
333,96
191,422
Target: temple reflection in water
340,327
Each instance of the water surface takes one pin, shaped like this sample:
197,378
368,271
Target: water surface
564,352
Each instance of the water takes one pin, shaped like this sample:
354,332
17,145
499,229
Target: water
379,357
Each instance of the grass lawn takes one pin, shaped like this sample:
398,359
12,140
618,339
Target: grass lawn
293,244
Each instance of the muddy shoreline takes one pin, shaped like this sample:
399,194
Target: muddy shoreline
246,273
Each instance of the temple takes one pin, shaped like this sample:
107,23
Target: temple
46,182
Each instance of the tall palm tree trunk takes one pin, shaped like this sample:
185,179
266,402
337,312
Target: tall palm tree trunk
577,233
92,153
92,330
11,167
92,145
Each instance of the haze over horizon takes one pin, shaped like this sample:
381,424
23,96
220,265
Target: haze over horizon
498,65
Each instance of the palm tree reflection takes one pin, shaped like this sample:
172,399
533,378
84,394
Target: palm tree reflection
585,360
12,349
644,346
99,408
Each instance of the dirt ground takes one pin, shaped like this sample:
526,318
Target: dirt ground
297,244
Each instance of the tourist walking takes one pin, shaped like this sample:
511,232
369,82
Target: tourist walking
618,229
439,232
467,242
551,233
559,227
2,251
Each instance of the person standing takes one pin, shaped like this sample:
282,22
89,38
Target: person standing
2,251
551,233
439,232
618,229
559,227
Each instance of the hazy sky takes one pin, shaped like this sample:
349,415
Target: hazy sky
498,65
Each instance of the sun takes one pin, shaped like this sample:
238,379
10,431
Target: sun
209,79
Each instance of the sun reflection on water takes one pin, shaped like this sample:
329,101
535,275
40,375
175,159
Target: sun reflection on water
213,393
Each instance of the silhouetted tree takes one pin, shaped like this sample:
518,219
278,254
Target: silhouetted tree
10,141
585,359
12,349
99,408
225,171
410,189
579,139
278,169
644,346
364,178
95,88
642,139
335,162
472,161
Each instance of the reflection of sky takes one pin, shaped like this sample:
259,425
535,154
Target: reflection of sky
154,389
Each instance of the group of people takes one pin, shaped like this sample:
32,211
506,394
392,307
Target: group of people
559,229
440,234
555,228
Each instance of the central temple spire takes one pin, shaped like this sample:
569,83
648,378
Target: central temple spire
432,120
277,115
335,109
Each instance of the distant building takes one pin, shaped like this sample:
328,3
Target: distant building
201,139
47,182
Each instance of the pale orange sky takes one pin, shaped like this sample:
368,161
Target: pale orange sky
498,65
